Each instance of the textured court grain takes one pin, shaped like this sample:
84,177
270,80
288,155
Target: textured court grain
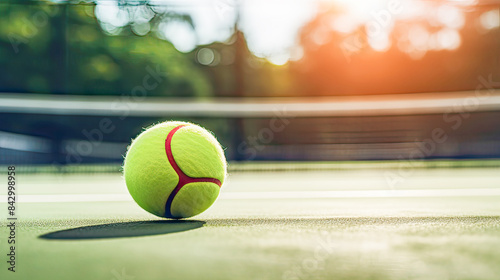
437,236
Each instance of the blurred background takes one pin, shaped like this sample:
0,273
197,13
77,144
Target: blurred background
298,80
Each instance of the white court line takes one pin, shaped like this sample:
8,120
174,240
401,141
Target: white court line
52,198
362,194
46,198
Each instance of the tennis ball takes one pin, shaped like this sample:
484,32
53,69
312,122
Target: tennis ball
175,169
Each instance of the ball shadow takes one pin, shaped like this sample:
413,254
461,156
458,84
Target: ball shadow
127,229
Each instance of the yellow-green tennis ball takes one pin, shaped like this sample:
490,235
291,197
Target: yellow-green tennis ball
175,169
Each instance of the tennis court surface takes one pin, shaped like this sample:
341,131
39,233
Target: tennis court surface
310,224
362,139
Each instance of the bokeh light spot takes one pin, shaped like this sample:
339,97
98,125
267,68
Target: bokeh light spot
448,39
180,34
205,56
490,20
279,59
141,28
451,17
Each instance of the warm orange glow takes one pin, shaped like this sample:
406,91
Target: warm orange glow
361,9
413,27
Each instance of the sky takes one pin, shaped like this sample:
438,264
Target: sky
271,27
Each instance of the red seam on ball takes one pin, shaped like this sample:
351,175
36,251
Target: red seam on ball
183,178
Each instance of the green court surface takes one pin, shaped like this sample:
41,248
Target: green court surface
329,224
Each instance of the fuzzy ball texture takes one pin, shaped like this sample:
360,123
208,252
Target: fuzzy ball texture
175,169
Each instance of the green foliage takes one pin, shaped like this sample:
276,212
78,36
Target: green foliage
63,49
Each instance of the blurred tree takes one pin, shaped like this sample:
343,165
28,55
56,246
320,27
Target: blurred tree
235,72
65,48
424,55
